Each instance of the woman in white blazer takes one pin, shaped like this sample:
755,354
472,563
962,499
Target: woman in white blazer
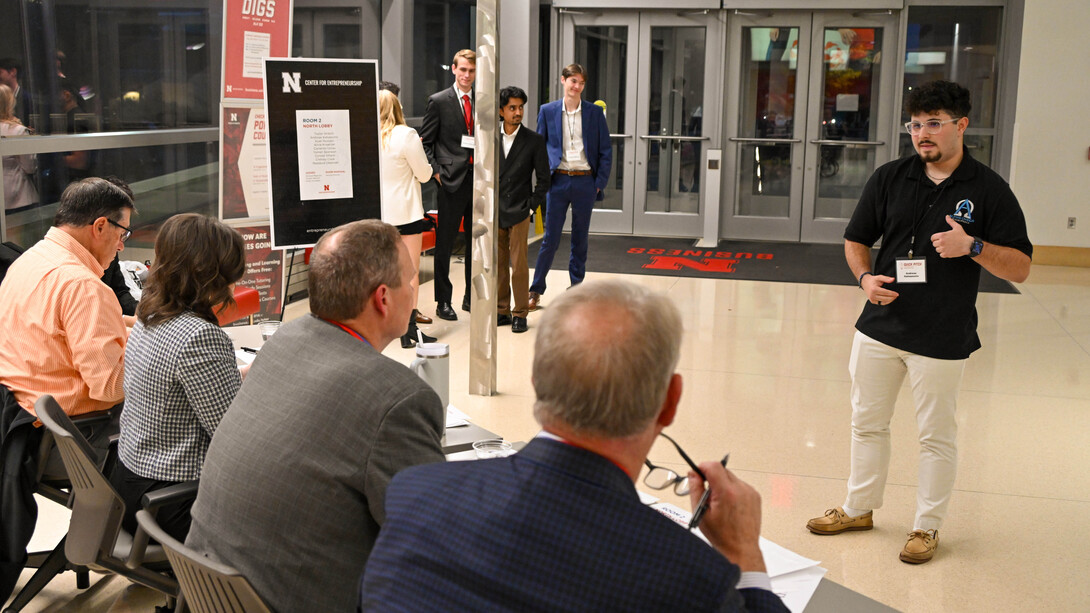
19,189
404,166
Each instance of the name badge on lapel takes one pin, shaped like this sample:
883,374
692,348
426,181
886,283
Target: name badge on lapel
912,270
467,141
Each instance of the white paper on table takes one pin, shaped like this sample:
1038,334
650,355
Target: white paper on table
797,588
646,498
781,561
244,357
794,578
678,515
456,418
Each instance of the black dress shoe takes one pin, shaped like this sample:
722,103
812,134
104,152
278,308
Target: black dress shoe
503,320
465,304
443,310
518,325
407,341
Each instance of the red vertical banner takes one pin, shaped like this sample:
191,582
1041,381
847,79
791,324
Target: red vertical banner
244,162
264,271
252,31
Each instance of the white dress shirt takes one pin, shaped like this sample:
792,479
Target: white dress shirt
572,129
508,139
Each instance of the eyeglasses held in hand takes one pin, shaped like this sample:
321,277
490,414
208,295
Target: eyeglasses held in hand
660,478
933,126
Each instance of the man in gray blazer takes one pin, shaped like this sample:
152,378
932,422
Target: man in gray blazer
293,487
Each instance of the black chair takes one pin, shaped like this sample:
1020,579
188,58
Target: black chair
49,564
207,586
95,538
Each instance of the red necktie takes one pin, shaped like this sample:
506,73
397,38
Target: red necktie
467,109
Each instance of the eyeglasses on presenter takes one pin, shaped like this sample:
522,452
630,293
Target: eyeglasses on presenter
932,126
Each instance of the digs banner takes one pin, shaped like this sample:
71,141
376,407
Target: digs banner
252,31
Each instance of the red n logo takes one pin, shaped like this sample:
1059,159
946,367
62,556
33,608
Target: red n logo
659,262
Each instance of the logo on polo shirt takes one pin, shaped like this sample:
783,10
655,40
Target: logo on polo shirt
964,211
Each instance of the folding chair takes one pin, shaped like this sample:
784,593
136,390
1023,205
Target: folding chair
207,586
95,537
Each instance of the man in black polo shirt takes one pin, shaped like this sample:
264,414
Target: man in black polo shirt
941,216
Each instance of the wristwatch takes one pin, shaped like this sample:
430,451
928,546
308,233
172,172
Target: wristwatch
978,246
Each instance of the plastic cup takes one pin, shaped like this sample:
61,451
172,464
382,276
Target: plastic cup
268,328
492,448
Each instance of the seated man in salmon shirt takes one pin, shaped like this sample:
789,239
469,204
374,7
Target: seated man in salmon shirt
63,330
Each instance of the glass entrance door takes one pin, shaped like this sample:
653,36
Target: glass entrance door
606,45
675,120
814,109
652,73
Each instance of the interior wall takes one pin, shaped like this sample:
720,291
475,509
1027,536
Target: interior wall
518,51
1050,169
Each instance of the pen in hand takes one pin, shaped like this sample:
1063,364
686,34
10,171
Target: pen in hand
248,349
702,506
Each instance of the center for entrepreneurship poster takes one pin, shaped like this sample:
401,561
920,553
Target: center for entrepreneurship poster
323,146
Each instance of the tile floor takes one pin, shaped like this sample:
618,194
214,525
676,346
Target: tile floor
765,367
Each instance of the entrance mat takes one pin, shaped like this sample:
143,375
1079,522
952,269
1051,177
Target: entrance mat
746,260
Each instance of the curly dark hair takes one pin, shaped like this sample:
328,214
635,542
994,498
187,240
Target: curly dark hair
197,258
939,96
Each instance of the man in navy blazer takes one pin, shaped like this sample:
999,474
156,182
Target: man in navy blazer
580,158
447,135
559,526
523,158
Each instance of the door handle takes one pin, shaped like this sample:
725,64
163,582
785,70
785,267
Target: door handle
674,138
765,141
849,143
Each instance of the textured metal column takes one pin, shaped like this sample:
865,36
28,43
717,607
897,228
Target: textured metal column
482,326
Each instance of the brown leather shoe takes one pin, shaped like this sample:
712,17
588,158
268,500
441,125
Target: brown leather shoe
422,318
535,301
920,547
836,521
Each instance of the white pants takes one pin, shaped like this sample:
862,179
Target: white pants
878,371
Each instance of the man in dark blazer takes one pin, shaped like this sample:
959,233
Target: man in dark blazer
580,157
293,488
559,526
447,134
522,157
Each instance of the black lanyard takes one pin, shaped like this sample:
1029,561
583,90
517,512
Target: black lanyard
916,221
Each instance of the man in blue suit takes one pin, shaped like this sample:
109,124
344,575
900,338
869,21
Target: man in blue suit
559,526
580,158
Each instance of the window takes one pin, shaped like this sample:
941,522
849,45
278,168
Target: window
957,44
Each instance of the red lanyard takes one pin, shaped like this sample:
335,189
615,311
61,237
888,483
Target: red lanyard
346,329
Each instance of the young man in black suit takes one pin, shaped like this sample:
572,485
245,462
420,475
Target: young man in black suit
447,134
523,155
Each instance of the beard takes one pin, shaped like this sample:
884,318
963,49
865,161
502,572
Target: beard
930,157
